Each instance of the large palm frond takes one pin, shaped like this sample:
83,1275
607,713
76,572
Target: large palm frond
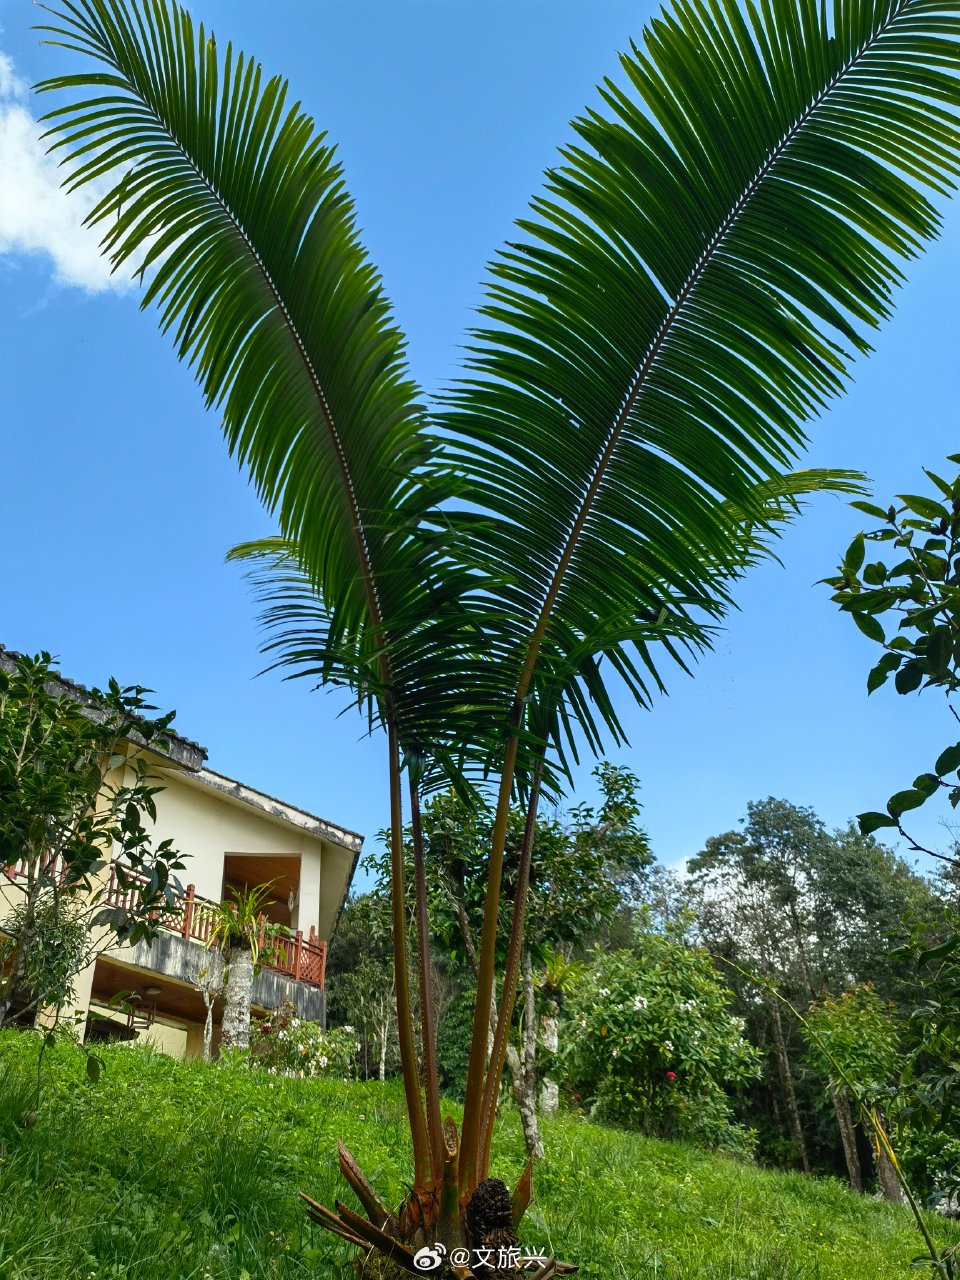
233,207
688,294
236,207
297,636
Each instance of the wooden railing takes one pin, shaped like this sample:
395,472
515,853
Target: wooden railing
51,865
302,958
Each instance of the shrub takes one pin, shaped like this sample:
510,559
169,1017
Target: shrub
285,1044
649,1042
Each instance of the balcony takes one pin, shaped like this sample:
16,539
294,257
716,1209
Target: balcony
304,959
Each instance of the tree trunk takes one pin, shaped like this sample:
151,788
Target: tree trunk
384,1033
523,1070
21,952
208,1029
841,1108
550,1039
886,1175
786,1079
210,982
235,1031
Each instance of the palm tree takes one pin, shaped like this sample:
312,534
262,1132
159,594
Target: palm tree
241,934
489,575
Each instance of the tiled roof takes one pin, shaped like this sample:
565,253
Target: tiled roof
190,755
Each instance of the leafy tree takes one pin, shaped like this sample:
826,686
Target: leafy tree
805,911
918,594
60,948
906,602
928,1092
360,979
654,1043
75,792
684,298
853,1041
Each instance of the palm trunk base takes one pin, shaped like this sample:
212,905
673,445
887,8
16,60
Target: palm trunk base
481,1233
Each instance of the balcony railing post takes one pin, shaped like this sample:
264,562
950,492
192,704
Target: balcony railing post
323,966
298,954
188,911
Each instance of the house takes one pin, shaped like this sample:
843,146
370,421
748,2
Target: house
232,836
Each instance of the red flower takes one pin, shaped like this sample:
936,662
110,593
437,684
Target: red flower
671,1075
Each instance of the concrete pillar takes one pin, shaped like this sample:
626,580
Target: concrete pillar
307,910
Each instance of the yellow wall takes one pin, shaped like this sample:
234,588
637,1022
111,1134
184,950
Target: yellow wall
206,826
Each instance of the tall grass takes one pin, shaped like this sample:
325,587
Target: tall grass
178,1171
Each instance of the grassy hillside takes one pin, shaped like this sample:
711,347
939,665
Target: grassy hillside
172,1171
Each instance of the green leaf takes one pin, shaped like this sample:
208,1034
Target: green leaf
224,196
941,484
909,678
935,954
878,676
927,784
925,507
853,558
870,509
905,800
875,574
940,650
94,1067
870,627
948,760
870,822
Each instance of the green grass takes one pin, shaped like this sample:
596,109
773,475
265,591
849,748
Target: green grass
171,1171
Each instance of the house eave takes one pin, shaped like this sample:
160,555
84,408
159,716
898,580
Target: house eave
290,815
177,750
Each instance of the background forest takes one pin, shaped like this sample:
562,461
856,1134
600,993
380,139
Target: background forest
723,1004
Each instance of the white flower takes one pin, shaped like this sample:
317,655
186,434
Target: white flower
350,1029
604,991
295,1022
639,1003
615,1052
324,1061
668,1045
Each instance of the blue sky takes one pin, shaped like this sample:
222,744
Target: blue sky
118,500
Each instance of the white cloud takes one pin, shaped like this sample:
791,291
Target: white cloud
36,215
